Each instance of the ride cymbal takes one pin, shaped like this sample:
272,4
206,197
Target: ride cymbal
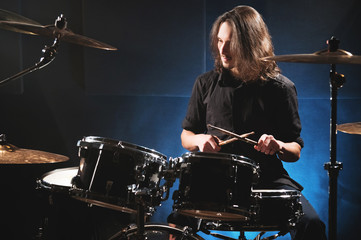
351,128
322,57
13,17
13,22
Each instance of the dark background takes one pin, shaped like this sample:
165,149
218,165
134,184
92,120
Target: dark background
139,93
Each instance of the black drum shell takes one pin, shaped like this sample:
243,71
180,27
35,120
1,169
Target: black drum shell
276,208
112,170
215,182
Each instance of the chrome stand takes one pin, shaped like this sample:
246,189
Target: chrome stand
49,54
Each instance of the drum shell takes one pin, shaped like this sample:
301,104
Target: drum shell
275,208
65,217
113,169
215,182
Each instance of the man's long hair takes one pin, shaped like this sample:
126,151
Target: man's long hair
250,41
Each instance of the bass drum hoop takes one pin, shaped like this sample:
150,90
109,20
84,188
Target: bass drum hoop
129,234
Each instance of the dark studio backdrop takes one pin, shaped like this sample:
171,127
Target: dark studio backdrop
139,94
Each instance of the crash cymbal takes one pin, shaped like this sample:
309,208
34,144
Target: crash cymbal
58,30
323,57
10,16
351,128
10,154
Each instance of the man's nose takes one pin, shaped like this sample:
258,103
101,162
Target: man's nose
225,48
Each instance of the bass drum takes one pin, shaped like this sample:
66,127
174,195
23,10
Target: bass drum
65,217
156,232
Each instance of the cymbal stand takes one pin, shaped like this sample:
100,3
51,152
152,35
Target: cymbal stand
49,54
140,216
333,167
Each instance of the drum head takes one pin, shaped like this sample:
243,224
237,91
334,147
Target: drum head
59,179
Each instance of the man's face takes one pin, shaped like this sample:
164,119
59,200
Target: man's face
224,41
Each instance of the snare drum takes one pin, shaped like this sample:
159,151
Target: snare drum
111,172
275,208
215,186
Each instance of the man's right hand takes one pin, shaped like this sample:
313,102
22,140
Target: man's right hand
201,142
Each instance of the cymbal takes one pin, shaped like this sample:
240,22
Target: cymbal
351,128
323,57
9,154
17,23
10,16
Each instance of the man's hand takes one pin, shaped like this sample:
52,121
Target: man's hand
267,144
201,142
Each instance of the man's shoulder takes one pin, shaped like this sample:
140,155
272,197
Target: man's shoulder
208,78
282,81
210,75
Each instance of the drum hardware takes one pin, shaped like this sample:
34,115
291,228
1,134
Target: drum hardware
58,31
10,154
332,55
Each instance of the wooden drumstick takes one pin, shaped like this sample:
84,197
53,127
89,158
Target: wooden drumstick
239,137
234,139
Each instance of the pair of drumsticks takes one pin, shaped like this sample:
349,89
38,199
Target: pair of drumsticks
236,137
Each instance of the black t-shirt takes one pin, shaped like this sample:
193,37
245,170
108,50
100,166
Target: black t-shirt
265,107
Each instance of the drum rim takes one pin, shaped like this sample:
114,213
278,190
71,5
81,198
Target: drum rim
162,227
219,155
275,193
46,184
94,140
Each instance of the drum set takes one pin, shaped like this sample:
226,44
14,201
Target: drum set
215,189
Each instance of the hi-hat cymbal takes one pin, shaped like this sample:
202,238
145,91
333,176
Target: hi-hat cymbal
17,23
351,128
9,154
323,57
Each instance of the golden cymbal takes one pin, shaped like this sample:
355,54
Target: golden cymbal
351,128
9,154
13,22
10,16
323,57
